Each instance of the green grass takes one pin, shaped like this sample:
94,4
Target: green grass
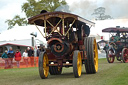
108,74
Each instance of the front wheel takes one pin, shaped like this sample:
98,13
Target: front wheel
110,56
77,64
43,65
125,55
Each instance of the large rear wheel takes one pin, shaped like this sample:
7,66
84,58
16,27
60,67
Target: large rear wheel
91,63
43,65
125,55
77,64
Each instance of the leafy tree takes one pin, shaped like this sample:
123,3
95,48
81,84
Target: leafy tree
100,14
16,20
34,7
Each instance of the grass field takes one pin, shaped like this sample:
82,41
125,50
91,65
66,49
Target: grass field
108,74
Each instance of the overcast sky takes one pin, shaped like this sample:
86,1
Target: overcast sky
84,8
8,9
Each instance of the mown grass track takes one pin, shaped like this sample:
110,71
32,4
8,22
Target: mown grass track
108,74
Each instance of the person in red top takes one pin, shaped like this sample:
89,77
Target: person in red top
18,57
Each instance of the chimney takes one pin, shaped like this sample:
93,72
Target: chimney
117,26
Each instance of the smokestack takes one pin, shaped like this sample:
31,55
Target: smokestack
117,26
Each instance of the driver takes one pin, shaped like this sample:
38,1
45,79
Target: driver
115,38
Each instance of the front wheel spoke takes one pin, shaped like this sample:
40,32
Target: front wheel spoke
78,63
44,60
44,64
110,59
46,69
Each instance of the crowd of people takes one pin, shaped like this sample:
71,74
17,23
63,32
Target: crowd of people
28,55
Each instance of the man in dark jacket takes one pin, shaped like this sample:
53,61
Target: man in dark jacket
30,52
10,57
31,55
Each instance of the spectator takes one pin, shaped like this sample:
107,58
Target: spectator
18,57
10,54
42,47
38,51
98,46
25,57
30,52
5,58
106,47
31,55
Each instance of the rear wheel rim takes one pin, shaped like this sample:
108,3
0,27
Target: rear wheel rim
95,55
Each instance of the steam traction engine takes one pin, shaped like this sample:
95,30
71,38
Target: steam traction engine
68,44
118,44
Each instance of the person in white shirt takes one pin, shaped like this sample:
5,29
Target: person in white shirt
25,57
